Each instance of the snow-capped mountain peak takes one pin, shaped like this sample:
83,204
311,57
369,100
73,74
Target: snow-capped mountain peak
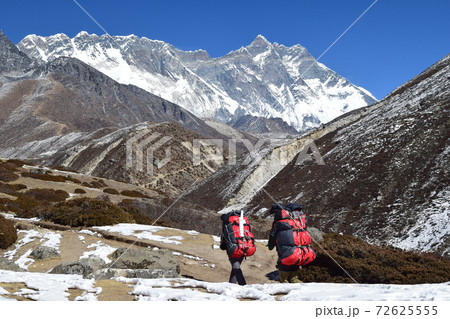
263,79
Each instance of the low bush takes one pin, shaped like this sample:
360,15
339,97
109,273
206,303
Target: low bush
181,217
111,191
7,175
133,193
8,233
98,183
7,189
84,212
372,264
79,191
65,169
51,178
48,195
17,187
17,163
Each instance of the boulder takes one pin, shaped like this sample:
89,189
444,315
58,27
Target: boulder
316,235
85,267
44,252
136,273
6,264
145,259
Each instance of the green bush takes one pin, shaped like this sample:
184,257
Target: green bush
8,233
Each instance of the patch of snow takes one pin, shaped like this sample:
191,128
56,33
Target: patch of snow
53,240
48,287
101,250
23,261
89,232
142,232
187,289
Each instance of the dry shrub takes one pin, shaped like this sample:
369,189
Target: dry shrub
84,212
65,169
182,217
111,191
8,189
98,183
372,264
24,203
47,195
18,163
7,175
17,187
8,233
133,193
79,191
139,217
51,178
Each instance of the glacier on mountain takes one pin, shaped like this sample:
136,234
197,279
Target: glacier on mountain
262,79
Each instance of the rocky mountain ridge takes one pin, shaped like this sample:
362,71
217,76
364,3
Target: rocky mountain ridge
262,79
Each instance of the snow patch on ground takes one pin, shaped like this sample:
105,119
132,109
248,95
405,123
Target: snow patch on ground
142,232
101,250
188,289
49,287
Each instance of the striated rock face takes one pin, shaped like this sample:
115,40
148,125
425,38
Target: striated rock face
262,79
385,177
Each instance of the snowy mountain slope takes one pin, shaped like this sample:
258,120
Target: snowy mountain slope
262,79
385,177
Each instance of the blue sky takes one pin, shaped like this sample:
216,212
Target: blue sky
394,41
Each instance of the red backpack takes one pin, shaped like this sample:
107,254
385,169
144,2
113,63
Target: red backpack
236,245
293,239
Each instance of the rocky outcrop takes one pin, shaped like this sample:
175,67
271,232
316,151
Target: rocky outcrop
9,265
44,252
85,267
126,262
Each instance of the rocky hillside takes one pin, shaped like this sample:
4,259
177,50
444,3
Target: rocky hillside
75,116
262,79
385,177
262,125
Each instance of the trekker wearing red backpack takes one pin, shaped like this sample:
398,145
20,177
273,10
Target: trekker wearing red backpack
289,234
238,240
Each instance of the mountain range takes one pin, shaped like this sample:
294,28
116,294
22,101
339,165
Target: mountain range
261,80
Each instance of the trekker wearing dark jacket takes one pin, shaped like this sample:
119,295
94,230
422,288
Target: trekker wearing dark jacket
288,230
237,245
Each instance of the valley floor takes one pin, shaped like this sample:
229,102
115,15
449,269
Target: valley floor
204,267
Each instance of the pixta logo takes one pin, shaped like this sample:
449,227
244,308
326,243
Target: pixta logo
141,149
205,150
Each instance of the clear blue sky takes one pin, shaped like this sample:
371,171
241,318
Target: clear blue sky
393,42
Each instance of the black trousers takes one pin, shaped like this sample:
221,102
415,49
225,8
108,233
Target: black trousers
236,275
